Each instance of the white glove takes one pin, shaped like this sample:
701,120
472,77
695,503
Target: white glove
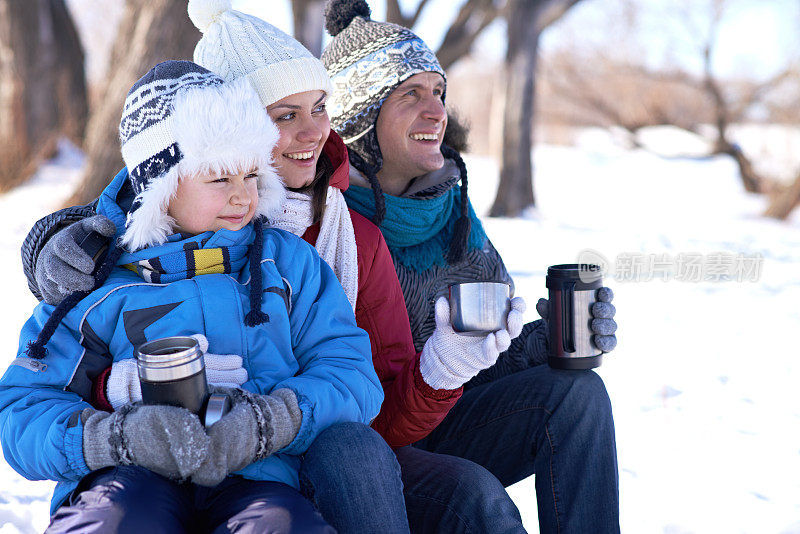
450,359
224,370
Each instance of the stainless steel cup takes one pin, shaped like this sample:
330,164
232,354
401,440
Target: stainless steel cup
171,371
477,308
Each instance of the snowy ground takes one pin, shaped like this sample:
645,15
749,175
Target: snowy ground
703,383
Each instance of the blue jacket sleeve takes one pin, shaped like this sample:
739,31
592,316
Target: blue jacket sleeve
40,427
336,381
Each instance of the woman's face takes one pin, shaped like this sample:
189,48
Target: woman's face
304,126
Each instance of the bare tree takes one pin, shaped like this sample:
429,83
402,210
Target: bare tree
42,88
525,21
309,21
151,31
622,91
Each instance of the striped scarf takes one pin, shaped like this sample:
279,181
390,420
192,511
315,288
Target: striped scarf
190,262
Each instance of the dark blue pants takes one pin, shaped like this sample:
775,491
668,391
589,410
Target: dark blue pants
132,499
555,424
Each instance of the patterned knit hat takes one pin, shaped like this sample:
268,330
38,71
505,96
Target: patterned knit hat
180,120
366,61
236,45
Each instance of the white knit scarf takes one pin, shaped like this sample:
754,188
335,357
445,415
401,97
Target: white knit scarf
336,243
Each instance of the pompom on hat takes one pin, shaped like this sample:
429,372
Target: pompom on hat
180,120
236,45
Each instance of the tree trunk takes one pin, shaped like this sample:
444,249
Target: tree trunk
782,204
309,22
515,191
42,86
151,31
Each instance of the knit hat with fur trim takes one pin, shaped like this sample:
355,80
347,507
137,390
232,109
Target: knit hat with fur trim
366,60
180,120
236,45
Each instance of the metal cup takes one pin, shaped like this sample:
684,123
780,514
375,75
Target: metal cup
172,371
478,308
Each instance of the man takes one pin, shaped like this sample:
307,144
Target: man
518,418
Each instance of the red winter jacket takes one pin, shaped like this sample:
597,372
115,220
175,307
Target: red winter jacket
411,408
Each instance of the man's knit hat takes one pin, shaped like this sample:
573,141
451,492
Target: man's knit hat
366,61
180,120
235,45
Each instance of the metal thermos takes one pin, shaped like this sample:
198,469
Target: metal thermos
172,371
571,289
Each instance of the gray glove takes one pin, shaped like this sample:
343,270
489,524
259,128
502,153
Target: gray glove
603,325
62,266
256,427
167,440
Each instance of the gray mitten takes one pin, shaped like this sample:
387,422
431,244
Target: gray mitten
62,266
256,427
603,325
167,440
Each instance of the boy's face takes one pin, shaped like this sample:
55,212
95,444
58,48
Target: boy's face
210,203
304,126
410,128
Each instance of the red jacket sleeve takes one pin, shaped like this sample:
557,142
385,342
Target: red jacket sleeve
411,408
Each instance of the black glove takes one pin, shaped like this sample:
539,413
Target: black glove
603,325
167,440
62,266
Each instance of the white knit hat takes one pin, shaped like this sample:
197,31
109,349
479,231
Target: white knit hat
236,45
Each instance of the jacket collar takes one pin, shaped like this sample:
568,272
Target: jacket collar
448,173
336,151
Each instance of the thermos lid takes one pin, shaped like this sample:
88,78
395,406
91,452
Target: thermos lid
585,275
169,358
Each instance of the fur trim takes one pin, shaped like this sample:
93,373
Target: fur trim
218,129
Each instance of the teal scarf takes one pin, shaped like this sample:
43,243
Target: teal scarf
418,231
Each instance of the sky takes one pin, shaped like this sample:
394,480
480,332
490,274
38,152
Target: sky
756,35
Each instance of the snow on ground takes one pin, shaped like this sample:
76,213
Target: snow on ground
703,382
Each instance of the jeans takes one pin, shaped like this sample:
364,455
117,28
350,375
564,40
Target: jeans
132,499
352,477
556,424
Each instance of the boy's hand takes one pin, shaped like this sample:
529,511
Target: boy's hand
62,266
123,385
256,427
167,440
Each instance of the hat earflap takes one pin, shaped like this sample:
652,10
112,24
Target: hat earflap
149,224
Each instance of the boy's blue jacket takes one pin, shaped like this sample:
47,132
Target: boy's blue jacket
310,344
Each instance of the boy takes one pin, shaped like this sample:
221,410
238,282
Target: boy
191,261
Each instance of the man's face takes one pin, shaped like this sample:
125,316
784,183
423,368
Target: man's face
410,128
